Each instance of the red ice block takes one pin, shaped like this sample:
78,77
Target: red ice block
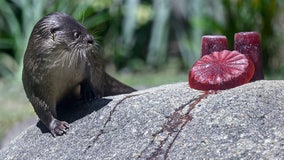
221,70
213,43
248,43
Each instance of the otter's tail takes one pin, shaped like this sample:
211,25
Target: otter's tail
113,87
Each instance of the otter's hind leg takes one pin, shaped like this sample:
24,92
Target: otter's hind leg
88,92
47,115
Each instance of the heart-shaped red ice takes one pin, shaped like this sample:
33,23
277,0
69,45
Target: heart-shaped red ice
221,70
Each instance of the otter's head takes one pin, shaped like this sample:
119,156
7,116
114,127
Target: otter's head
58,35
63,29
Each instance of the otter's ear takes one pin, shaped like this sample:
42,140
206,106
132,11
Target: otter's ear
53,30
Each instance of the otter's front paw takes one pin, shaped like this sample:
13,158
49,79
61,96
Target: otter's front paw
58,128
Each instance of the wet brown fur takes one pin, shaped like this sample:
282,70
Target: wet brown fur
63,60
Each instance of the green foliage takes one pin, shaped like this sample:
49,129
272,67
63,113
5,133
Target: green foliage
135,33
160,32
256,15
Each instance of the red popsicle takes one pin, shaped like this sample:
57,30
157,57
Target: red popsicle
221,70
248,43
213,43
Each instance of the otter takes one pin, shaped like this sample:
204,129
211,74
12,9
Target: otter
62,60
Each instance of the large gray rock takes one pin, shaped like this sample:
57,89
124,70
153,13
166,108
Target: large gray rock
167,122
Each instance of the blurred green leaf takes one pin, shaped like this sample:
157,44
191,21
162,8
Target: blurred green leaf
8,66
136,31
157,53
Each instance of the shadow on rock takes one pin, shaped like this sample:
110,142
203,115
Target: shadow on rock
76,110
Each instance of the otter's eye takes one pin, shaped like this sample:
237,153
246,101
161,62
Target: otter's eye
76,34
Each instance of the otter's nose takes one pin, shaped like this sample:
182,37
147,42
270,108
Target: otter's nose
90,39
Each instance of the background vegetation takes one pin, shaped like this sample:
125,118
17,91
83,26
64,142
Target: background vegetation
145,42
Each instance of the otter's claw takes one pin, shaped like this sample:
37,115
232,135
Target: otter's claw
58,128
